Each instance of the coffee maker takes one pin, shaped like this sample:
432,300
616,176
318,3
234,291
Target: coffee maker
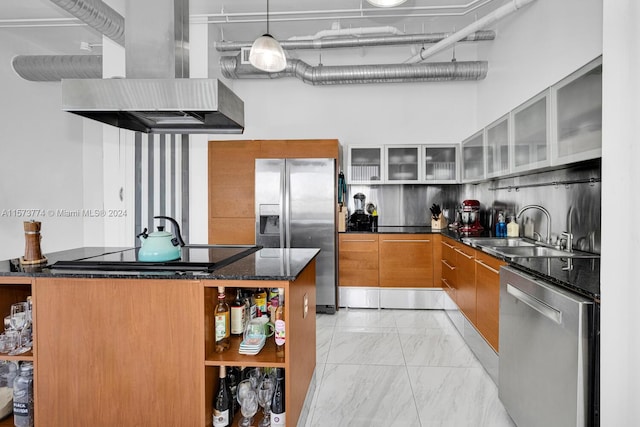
470,217
359,220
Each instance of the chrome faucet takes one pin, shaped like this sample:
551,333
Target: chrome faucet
544,211
569,233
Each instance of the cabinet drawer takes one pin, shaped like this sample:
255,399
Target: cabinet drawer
406,260
358,260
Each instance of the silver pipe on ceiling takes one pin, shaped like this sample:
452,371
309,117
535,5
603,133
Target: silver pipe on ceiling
231,46
98,15
232,68
51,68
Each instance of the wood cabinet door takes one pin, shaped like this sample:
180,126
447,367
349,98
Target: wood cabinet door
119,352
448,267
466,281
488,297
406,260
358,259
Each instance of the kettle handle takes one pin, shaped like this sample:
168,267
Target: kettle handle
176,229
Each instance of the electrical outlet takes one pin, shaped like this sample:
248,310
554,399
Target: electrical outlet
305,306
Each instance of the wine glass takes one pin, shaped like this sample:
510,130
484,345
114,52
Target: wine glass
248,400
255,376
265,393
18,320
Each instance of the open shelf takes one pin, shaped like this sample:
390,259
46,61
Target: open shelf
266,357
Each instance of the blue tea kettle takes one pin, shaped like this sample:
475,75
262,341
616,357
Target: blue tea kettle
160,246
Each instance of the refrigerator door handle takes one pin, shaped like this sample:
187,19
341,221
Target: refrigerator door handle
285,240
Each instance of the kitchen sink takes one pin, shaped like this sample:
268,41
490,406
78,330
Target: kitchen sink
496,242
536,251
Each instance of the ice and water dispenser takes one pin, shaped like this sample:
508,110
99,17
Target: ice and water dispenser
268,233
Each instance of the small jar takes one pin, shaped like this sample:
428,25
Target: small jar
23,396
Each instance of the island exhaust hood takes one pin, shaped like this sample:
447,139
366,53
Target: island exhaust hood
157,96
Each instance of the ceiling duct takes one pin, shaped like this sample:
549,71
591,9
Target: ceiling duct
50,68
347,42
157,96
347,74
98,15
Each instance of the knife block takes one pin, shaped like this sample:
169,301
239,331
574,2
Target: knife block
32,251
439,224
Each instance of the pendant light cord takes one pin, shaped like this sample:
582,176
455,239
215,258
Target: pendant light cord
268,17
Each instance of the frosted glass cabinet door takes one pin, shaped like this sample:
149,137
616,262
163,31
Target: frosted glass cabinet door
402,164
473,157
365,165
530,123
578,113
498,147
440,164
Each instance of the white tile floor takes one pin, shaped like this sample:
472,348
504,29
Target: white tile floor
406,368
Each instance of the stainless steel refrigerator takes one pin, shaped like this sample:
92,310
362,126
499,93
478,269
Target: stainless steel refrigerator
296,208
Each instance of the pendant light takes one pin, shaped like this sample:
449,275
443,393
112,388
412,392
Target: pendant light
386,3
266,54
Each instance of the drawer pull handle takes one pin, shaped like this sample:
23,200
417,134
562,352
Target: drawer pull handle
467,256
448,245
446,283
487,267
447,264
407,241
349,241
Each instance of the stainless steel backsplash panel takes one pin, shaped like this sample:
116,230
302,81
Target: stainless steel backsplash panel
408,204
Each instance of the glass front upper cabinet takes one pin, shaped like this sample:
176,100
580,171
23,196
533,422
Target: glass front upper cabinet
498,147
577,103
473,157
403,164
365,165
440,164
530,123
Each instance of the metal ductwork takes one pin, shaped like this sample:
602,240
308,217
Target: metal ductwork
157,96
348,42
50,68
98,15
348,74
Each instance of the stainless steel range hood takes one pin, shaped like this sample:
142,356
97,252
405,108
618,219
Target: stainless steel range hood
156,105
157,96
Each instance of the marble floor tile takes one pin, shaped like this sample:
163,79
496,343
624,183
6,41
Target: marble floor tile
422,319
435,347
365,317
326,320
323,343
457,397
364,396
365,346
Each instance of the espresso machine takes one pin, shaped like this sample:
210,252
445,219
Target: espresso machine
470,217
359,220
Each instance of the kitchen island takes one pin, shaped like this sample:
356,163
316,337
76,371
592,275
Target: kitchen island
133,348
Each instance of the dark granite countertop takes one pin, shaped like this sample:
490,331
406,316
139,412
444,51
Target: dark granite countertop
579,275
265,264
397,229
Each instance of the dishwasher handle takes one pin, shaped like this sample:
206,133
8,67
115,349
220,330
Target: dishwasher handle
542,308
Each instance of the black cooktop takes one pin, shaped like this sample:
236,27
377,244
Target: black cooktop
194,258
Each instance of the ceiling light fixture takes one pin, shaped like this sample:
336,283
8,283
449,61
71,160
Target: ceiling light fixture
266,54
386,3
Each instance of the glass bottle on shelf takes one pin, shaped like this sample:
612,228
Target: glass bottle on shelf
261,300
279,325
23,396
278,410
238,314
222,406
221,322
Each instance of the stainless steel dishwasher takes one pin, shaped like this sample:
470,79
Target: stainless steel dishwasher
545,371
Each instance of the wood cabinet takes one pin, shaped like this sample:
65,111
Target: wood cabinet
358,259
466,281
232,181
406,260
448,267
139,352
488,297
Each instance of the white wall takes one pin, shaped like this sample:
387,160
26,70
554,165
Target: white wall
620,180
41,149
